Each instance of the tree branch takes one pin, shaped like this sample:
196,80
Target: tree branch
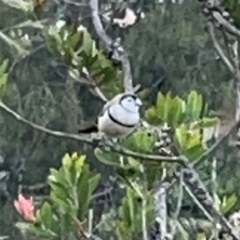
115,47
218,48
219,16
225,24
92,141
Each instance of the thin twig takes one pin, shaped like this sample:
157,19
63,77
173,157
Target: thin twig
206,213
218,48
225,24
94,86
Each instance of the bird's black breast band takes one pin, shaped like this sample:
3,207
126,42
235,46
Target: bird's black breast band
119,123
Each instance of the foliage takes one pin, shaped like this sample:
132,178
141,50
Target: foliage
52,72
3,77
79,52
174,50
72,188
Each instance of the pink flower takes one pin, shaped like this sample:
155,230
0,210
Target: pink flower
25,207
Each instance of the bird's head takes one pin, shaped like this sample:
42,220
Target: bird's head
131,103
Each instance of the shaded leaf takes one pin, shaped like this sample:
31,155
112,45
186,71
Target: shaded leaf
46,215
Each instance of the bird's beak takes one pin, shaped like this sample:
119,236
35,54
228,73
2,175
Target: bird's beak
138,102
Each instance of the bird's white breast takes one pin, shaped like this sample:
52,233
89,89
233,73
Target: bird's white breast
108,126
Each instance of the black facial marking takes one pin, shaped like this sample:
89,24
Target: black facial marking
133,96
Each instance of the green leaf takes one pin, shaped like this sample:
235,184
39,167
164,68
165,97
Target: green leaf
3,67
78,166
194,105
57,176
141,141
3,82
59,190
59,201
167,106
87,43
74,39
160,106
93,183
83,192
194,152
205,123
151,116
3,77
181,135
173,112
46,215
228,203
107,158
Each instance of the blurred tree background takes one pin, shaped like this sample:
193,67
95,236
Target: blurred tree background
169,51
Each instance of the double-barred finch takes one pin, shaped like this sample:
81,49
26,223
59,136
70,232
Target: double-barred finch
119,117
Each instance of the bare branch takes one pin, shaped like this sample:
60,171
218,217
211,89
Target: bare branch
219,16
218,48
119,53
225,24
92,141
43,129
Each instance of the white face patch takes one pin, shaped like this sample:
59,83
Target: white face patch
131,104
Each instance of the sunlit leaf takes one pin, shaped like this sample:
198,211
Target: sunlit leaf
160,106
228,203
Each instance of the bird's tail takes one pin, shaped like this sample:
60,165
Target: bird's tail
90,129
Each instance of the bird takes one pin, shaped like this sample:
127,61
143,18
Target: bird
119,117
